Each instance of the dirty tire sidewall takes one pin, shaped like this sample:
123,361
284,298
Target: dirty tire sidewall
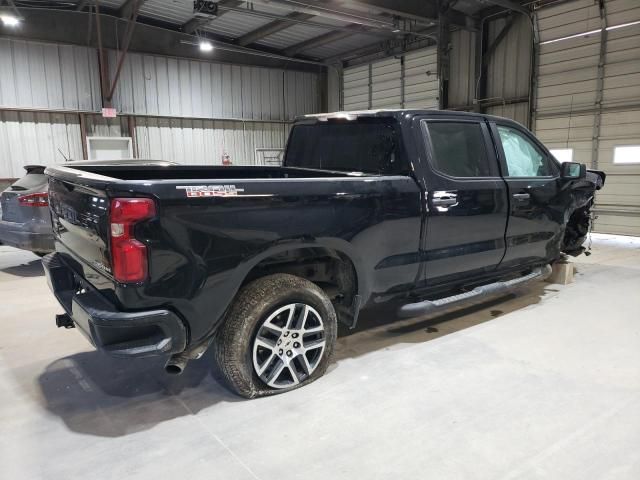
252,306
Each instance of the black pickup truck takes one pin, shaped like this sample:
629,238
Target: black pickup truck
427,209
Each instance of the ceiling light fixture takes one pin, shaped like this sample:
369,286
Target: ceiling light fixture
9,20
206,46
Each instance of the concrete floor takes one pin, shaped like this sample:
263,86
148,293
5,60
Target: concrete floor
541,385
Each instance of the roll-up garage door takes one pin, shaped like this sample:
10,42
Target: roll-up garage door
386,83
421,79
568,115
410,81
355,88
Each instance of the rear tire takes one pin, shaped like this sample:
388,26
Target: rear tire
278,336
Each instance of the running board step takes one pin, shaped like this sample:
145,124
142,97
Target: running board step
429,306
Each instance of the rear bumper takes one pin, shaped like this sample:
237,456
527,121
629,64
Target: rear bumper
122,334
20,235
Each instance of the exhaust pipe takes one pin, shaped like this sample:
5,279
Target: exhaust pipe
176,364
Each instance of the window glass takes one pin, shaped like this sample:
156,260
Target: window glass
626,154
562,154
366,145
523,158
459,149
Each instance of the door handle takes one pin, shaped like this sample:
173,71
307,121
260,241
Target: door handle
444,199
521,196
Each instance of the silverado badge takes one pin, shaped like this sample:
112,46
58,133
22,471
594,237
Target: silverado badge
210,190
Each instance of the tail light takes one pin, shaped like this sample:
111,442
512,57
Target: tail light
34,200
129,255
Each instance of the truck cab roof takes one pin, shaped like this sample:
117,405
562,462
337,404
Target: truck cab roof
398,114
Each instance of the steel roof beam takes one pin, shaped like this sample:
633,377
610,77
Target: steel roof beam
501,35
272,27
420,11
509,5
318,41
334,12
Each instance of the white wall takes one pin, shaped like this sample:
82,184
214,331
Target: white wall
205,141
48,76
36,138
166,86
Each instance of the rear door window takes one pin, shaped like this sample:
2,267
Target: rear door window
459,149
366,145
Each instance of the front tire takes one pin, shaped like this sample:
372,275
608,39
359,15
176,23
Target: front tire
279,335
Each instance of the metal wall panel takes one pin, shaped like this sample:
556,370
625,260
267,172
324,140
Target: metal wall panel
28,138
421,86
204,142
302,94
518,112
462,68
381,84
48,76
509,67
567,115
166,86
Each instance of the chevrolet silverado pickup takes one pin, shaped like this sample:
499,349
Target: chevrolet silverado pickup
427,209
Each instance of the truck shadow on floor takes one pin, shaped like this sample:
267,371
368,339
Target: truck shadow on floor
96,394
30,269
381,328
104,396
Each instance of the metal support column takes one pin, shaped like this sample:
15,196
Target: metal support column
535,62
443,52
131,127
370,87
402,75
595,137
83,135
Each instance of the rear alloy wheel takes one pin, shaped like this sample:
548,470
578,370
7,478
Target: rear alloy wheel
278,335
289,345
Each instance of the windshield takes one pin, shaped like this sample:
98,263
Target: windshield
368,145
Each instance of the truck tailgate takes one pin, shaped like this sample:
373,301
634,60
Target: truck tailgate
80,221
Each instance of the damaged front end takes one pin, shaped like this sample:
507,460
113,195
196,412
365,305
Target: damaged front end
579,223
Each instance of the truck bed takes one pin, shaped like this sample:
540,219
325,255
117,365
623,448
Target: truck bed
205,172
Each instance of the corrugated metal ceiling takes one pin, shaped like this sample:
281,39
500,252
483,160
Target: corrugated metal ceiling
235,22
174,11
348,44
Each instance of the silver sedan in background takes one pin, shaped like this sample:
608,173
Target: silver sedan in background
25,221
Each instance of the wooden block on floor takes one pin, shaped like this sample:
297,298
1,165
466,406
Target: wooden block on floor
562,273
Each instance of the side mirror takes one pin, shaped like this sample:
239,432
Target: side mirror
573,171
